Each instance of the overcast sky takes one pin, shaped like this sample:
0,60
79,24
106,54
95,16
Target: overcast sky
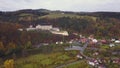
66,5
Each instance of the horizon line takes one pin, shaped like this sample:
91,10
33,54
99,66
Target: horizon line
57,10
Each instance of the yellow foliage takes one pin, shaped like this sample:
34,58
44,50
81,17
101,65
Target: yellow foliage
12,45
9,63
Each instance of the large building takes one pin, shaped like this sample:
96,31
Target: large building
64,33
44,27
50,28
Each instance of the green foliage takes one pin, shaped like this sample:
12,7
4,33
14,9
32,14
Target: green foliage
63,57
113,66
72,22
104,46
81,64
28,45
74,52
9,63
11,45
11,39
30,66
46,62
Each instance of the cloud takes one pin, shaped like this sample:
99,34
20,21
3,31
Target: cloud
69,5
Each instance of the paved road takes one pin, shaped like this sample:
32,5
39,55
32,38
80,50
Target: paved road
74,47
81,51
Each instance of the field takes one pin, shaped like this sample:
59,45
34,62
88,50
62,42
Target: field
79,64
45,60
59,15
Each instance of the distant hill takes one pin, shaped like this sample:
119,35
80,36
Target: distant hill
101,24
98,23
103,14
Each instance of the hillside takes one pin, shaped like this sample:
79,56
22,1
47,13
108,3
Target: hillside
99,23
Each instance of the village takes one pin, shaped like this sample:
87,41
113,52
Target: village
90,48
94,46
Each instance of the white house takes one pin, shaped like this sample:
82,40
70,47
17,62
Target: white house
20,29
57,42
79,56
29,29
44,27
91,63
94,40
61,42
111,45
64,33
112,40
55,29
117,41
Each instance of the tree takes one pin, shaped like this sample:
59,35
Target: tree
2,48
28,45
11,45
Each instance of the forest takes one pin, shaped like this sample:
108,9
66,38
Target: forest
101,24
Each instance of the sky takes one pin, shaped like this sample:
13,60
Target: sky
65,5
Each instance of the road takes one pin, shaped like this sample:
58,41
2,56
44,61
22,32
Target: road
78,47
81,51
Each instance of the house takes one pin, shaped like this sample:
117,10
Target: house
103,41
79,56
71,41
20,29
116,60
80,36
111,44
57,43
94,40
91,63
55,29
61,42
83,40
75,33
64,33
117,41
44,27
96,53
91,37
30,29
112,40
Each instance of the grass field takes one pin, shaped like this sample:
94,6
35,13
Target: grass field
80,64
45,60
59,15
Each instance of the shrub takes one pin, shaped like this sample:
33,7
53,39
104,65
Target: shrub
9,63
